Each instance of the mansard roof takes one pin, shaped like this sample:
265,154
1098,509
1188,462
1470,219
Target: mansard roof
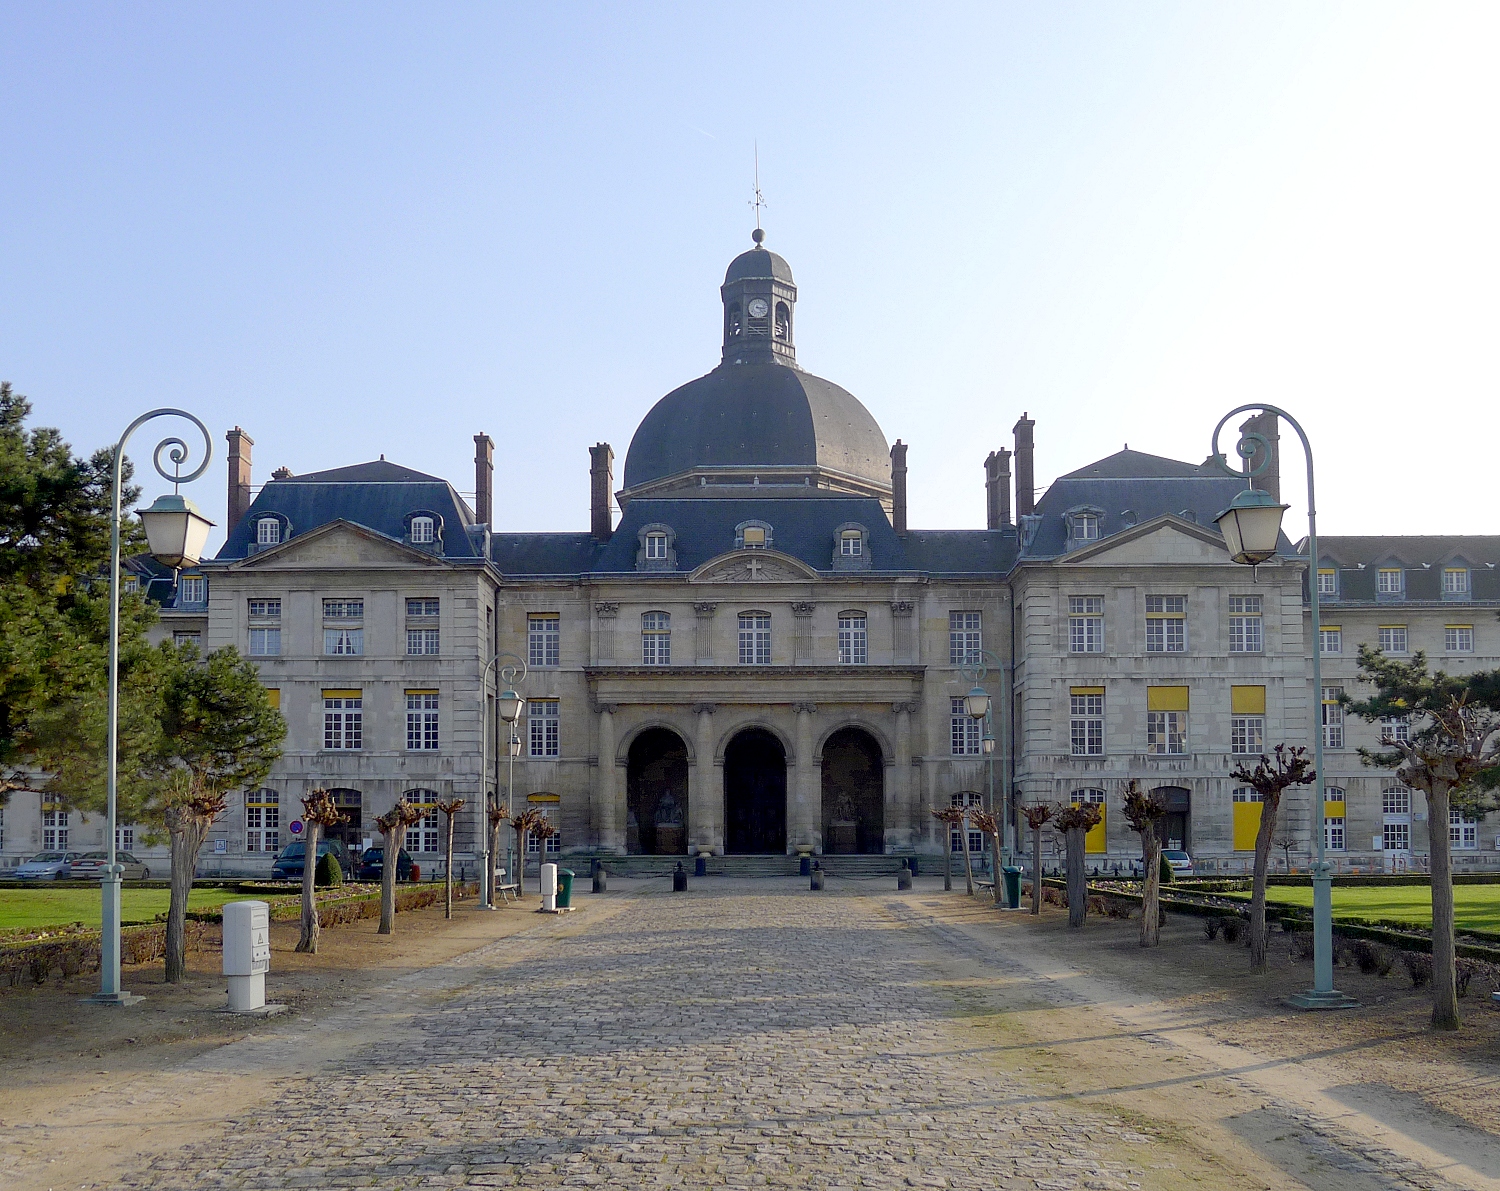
1412,550
1135,465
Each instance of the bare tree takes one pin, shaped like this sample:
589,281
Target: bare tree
1286,841
949,816
1038,814
542,832
526,821
987,823
393,825
449,809
318,811
1145,812
1075,822
190,804
1270,778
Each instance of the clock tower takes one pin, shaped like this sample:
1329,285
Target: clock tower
759,298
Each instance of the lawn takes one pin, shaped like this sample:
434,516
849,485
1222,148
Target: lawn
32,908
1476,907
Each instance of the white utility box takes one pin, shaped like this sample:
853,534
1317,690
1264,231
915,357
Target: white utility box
549,888
247,954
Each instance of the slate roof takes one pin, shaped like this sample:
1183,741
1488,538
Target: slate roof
378,471
758,262
1136,465
1409,550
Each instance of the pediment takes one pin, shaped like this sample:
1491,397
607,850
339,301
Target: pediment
753,566
341,544
1162,541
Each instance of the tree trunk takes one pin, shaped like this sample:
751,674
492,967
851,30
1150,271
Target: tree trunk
1078,894
495,859
1151,888
995,865
521,866
187,834
1259,943
1036,870
963,827
394,840
1444,964
308,941
448,874
947,862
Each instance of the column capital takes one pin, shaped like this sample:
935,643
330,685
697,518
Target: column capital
606,609
803,608
603,708
705,610
902,607
805,708
705,708
905,708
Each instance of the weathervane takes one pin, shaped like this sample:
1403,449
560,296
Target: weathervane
759,200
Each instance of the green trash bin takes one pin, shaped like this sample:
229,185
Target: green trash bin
565,889
1012,876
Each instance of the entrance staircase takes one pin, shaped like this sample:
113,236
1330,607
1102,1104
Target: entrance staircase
772,865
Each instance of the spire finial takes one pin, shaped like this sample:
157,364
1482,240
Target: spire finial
758,201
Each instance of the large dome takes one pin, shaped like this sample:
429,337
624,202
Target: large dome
758,415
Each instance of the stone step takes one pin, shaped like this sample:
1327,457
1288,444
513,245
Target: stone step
845,867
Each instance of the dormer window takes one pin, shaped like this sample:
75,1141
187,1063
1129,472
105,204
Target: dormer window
192,589
1389,581
851,543
268,532
755,538
1455,583
783,322
423,531
1085,527
656,547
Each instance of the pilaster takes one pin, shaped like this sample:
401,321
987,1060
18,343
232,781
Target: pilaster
807,802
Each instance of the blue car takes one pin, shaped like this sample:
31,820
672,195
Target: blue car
288,865
47,866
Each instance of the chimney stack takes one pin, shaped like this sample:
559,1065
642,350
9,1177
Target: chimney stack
484,479
1268,426
898,487
239,476
1025,470
997,489
601,487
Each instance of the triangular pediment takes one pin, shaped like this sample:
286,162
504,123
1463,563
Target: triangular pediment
341,544
753,566
1162,541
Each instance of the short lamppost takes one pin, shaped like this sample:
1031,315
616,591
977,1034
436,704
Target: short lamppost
1251,526
980,707
176,532
510,705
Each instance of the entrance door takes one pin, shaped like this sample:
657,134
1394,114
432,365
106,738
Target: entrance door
1176,827
755,793
351,831
853,793
656,794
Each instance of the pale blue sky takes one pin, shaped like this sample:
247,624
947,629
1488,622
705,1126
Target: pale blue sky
356,229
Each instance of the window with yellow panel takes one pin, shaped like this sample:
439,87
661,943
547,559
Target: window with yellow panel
1096,841
1247,808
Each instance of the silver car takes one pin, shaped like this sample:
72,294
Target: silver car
90,866
47,866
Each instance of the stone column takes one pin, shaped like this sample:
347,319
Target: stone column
901,632
807,795
703,639
901,828
605,612
802,640
611,807
705,790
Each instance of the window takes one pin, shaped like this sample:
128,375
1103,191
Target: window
783,322
970,800
343,642
753,537
265,643
851,543
124,839
1331,639
755,638
656,546
54,831
656,639
262,821
1085,527
1389,581
426,834
852,639
267,532
1333,717
964,639
732,319
544,718
1085,624
1458,638
544,639
422,607
1247,803
554,841
343,719
1393,638
965,730
1328,583
423,530
1333,829
423,641
422,720
1463,832
192,589
1166,720
1247,734
1397,727
187,638
1395,800
1455,582
265,609
1166,624
343,609
1245,629
1086,721
1396,837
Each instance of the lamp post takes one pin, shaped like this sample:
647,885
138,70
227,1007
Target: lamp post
979,706
176,532
510,705
1251,526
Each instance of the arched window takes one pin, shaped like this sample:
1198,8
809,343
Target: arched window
268,531
424,835
554,841
732,320
656,639
1334,819
423,530
783,322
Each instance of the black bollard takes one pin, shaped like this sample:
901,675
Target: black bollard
903,878
599,876
913,866
679,879
817,875
700,867
804,867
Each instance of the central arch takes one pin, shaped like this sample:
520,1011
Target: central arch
656,794
853,793
755,793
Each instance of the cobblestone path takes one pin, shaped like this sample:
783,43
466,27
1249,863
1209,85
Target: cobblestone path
715,1039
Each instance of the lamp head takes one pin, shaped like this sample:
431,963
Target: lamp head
509,705
977,703
987,745
1251,526
176,530
515,746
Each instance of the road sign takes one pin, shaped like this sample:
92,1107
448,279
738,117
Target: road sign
296,826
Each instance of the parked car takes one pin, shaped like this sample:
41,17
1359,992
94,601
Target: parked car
372,865
91,865
1181,862
288,864
47,866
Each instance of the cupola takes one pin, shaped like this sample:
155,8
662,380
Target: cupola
759,298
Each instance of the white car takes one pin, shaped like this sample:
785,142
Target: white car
1181,862
47,866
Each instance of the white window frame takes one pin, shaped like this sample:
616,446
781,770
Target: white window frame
423,642
348,642
543,640
187,636
1246,625
964,731
1463,832
124,838
1086,725
1247,735
853,639
1394,639
1458,638
1085,527
851,543
343,724
965,638
755,638
554,841
1166,624
1390,581
969,800
262,821
1085,624
656,639
656,547
268,608
335,608
423,607
1328,582
1455,581
1333,717
55,827
426,834
192,589
544,727
1397,727
1335,833
421,721
423,531
1331,637
1166,733
268,531
264,641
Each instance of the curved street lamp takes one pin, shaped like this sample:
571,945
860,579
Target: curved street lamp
508,705
978,705
1251,526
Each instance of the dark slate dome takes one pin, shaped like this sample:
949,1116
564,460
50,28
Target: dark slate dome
758,262
758,415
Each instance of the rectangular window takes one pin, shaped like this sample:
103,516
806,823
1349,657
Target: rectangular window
977,844
343,719
1388,581
1247,734
554,841
54,831
426,834
1245,814
124,839
1086,721
1455,581
1166,624
1166,720
656,639
1331,638
1395,800
755,638
423,641
192,589
267,531
1085,527
1085,624
544,718
422,607
544,639
1393,638
964,730
265,609
1458,638
187,638
1334,828
343,609
852,641
422,720
1245,629
1333,717
1328,583
852,544
753,537
265,643
1396,837
343,642
262,821
1463,832
656,546
1396,727
965,639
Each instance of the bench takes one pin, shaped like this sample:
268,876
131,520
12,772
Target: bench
505,889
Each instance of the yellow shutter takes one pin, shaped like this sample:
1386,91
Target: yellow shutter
1332,809
1086,690
1247,700
1166,698
1246,825
273,697
416,692
1330,628
543,798
354,694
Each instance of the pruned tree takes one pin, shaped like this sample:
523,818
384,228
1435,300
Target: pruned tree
1075,822
542,832
1144,810
1286,841
950,816
522,823
449,809
1272,776
319,811
1038,815
498,815
1450,752
990,825
393,825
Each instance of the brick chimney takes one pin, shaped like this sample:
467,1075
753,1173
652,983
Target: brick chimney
898,487
997,489
239,476
1268,426
484,479
601,487
1025,468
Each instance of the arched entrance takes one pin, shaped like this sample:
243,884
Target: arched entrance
656,794
1175,828
351,831
755,793
853,793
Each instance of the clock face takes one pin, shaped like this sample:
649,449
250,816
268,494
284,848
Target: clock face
758,308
